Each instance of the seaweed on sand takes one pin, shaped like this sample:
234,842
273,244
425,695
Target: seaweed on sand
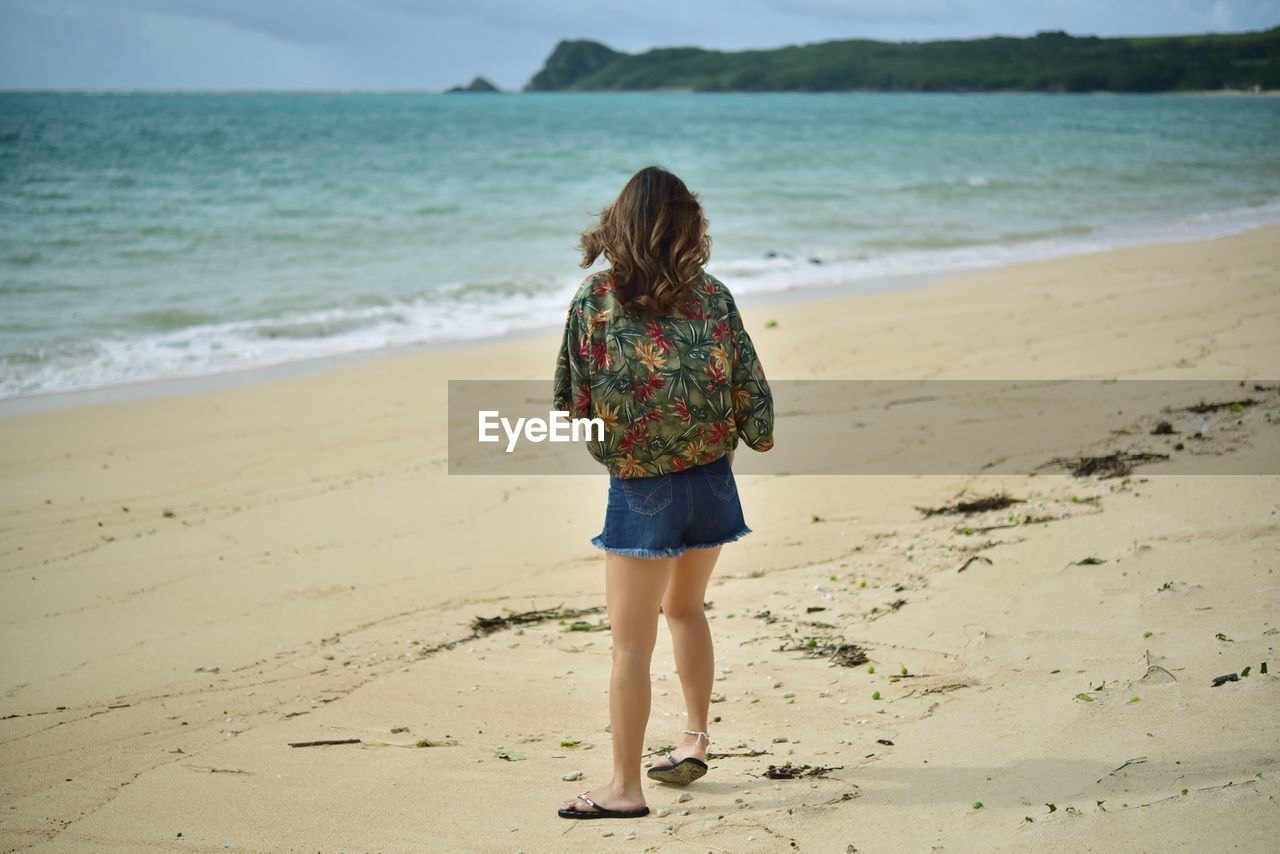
843,654
978,505
787,771
1115,464
973,559
1234,405
481,626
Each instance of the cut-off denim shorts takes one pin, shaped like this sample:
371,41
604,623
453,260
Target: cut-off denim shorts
663,516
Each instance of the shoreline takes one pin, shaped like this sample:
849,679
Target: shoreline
149,389
1093,244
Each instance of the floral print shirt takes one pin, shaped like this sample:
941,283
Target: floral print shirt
672,391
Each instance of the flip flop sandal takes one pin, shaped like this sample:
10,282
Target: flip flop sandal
680,773
685,771
602,812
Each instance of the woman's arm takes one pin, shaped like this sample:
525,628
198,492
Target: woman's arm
572,385
752,399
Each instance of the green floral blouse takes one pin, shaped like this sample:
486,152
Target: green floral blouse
672,391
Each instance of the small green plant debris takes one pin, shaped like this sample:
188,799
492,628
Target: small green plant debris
1083,697
1220,636
815,518
864,583
811,642
1245,672
1075,499
1262,668
584,626
871,668
977,805
422,742
772,324
1089,561
1146,634
904,670
570,743
875,695
1168,585
1134,699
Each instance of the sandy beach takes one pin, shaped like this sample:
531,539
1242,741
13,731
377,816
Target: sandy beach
194,582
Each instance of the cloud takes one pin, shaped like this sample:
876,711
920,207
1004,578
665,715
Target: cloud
307,22
208,54
1221,15
871,10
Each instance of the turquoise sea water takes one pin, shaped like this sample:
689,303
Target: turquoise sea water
149,235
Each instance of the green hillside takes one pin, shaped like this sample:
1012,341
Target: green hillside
1047,62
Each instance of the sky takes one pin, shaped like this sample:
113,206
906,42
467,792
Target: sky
432,44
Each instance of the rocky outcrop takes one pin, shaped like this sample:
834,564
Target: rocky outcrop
570,62
477,85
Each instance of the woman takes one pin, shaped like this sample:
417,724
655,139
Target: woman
654,347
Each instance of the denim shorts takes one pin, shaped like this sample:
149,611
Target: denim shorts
664,516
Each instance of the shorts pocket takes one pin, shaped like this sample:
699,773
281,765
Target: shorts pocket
647,496
721,485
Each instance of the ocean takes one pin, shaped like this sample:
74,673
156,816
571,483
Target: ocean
151,236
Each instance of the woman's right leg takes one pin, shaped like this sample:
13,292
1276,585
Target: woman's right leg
691,641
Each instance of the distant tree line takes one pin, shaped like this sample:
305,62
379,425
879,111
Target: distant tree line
1047,62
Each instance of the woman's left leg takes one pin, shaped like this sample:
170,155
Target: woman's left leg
633,591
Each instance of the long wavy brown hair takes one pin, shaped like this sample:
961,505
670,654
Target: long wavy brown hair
654,236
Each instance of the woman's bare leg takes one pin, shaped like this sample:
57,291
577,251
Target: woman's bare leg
691,642
633,590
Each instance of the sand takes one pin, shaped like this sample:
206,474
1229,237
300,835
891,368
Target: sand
193,582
